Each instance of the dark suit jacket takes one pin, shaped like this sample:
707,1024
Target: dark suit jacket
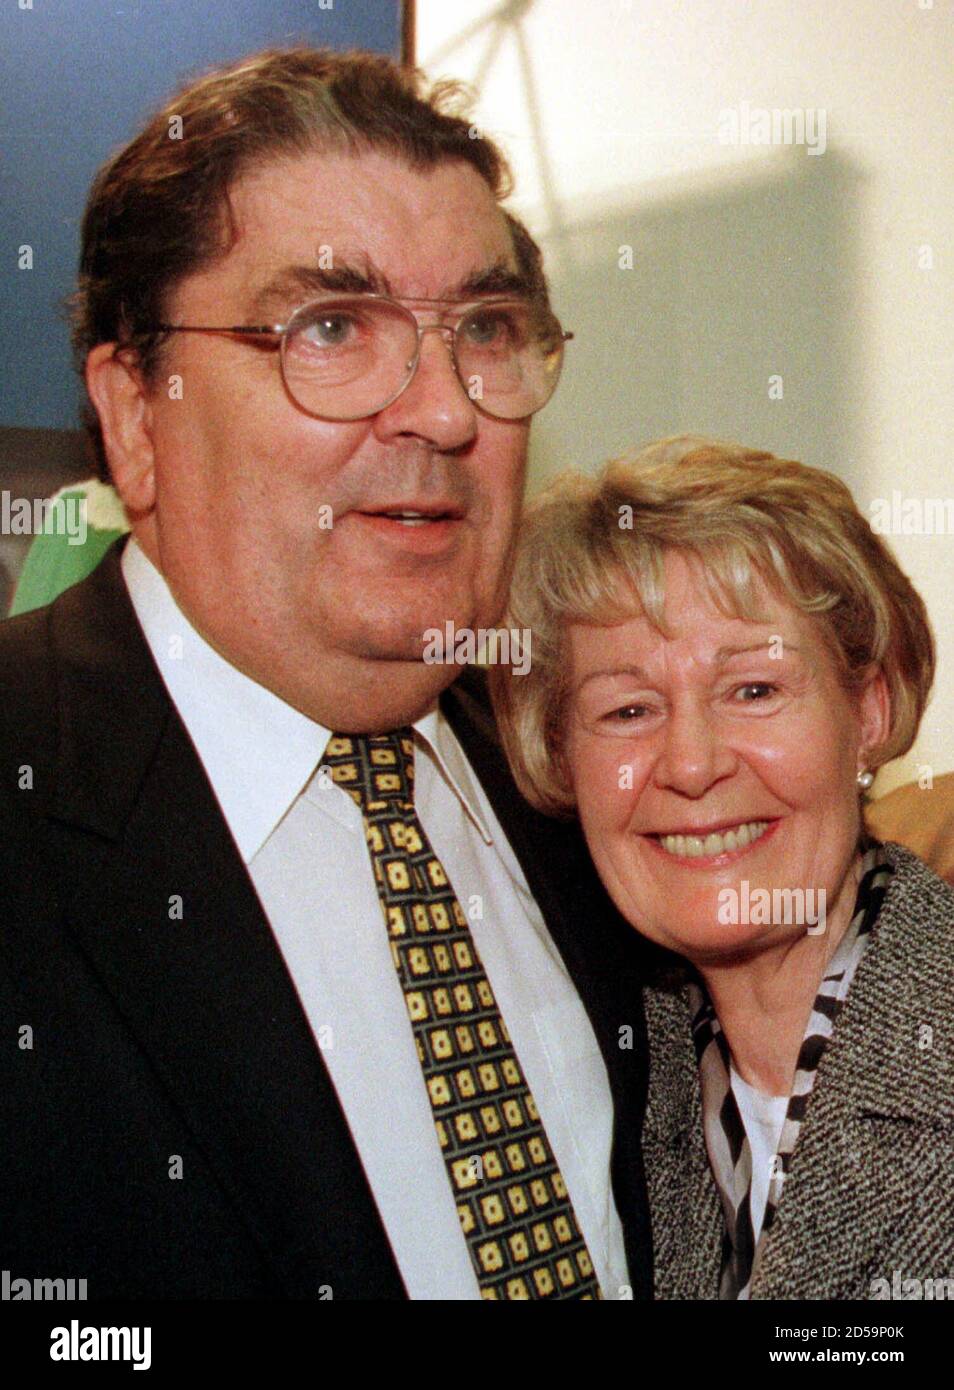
154,1037
868,1204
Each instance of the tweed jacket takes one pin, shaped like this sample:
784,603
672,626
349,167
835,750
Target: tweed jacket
867,1210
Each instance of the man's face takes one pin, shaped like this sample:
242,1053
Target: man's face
269,524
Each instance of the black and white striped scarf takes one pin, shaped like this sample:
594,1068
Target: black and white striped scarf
726,1139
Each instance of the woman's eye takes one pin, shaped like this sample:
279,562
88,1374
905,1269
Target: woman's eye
755,691
627,714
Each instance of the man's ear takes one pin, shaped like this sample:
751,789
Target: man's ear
874,709
123,405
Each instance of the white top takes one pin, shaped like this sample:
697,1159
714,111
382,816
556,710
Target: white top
302,838
763,1117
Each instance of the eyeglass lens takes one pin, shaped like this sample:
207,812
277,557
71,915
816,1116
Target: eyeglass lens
348,357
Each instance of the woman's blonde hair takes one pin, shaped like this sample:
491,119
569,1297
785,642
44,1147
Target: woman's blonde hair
592,550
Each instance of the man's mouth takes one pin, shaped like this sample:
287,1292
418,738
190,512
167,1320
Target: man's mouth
727,840
414,515
417,530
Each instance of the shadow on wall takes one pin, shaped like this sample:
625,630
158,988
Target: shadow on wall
735,280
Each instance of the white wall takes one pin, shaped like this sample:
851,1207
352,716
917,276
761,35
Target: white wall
748,261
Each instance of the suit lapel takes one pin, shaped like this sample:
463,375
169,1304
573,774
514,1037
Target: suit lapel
168,917
868,1185
878,1134
686,1210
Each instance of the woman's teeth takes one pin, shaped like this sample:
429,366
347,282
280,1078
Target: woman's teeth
696,846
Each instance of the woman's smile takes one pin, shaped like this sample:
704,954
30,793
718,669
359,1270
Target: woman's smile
708,848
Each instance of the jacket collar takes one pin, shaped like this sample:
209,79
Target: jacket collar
100,662
880,1103
898,1008
158,901
879,1131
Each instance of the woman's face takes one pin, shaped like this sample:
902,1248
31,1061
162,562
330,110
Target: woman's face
717,762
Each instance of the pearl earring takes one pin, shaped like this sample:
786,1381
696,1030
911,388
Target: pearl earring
865,779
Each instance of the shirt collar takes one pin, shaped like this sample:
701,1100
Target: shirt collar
453,766
258,751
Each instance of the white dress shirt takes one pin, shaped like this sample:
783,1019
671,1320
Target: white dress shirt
302,839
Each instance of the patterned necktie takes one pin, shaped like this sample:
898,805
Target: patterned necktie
516,1214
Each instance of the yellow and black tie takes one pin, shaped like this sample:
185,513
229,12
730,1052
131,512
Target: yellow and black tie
513,1204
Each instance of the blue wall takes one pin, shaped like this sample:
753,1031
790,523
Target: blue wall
77,78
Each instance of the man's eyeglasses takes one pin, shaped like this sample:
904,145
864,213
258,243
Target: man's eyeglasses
347,356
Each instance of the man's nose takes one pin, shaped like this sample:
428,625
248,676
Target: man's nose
434,405
694,755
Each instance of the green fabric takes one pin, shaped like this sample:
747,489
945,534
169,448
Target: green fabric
53,564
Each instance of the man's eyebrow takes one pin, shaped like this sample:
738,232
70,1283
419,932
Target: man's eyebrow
499,278
294,284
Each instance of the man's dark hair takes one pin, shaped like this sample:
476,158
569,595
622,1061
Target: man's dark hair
159,209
